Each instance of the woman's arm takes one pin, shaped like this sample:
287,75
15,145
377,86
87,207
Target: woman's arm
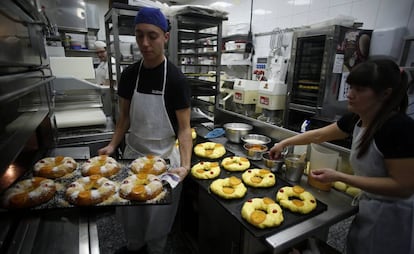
317,136
399,183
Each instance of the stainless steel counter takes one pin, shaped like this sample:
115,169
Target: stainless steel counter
339,208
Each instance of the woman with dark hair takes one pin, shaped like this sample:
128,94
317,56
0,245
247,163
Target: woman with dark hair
382,157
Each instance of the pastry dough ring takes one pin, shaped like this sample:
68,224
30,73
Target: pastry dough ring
29,193
304,202
259,178
235,163
100,165
262,212
150,164
228,188
141,187
90,190
209,150
54,167
206,170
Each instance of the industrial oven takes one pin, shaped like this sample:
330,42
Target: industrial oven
27,134
320,60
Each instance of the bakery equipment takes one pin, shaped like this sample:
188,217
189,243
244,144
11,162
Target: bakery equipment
272,93
82,112
245,96
272,98
26,135
320,59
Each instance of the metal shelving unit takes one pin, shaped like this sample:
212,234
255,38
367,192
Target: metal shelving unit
195,47
241,68
119,21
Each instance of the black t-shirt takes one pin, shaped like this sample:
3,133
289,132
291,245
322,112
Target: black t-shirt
177,91
395,139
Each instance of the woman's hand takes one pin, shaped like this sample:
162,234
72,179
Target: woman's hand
276,151
325,175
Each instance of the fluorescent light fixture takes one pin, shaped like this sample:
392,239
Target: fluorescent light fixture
261,12
300,2
220,4
80,13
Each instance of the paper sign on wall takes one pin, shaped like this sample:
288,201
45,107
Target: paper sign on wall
338,63
343,88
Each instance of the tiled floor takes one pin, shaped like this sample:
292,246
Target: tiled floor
111,237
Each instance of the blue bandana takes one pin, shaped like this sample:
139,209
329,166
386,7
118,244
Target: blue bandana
152,16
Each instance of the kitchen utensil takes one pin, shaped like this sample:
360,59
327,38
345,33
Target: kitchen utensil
273,165
295,166
234,131
255,151
256,139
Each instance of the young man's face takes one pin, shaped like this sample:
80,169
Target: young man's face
151,40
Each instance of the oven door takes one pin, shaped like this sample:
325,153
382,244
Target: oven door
22,39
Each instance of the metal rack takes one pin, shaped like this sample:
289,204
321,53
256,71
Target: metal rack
238,68
119,20
195,47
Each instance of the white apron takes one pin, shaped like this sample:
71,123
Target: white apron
150,133
382,224
101,73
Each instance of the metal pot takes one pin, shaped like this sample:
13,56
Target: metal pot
234,131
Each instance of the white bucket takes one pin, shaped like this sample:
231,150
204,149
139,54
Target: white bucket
321,157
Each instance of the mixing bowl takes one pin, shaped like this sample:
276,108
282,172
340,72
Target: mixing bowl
273,165
256,139
254,151
234,131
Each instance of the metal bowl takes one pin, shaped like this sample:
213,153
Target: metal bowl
254,151
256,139
273,165
234,131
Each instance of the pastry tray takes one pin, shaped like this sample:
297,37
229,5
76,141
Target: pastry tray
59,200
234,206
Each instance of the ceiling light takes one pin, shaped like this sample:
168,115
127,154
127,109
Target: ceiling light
299,2
261,12
220,5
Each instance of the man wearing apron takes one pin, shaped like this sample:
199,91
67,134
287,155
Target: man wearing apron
155,108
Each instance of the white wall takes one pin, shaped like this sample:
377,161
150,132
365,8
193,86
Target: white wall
102,7
374,14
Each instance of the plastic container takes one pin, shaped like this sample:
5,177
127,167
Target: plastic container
321,157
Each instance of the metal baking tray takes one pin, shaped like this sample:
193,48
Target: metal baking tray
234,206
59,200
